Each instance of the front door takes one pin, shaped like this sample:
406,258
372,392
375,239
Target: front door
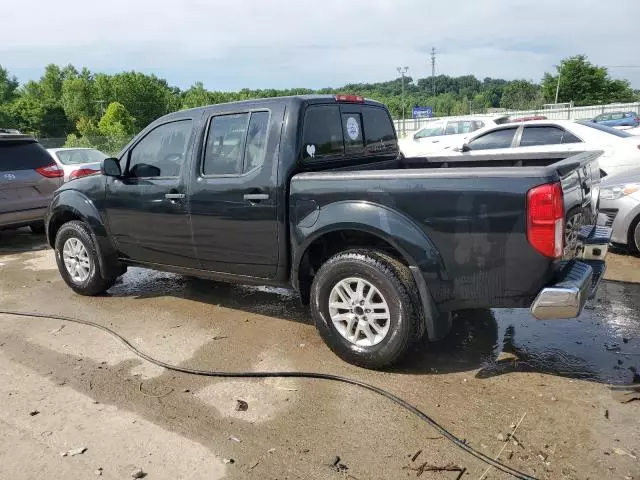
234,199
147,209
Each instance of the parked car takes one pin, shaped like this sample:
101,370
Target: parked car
442,134
620,208
77,162
621,150
312,197
28,178
618,119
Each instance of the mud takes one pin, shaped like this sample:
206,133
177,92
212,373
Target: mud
495,367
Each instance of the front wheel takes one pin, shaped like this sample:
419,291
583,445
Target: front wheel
634,237
78,260
364,305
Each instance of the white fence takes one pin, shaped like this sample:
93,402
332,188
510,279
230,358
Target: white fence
410,125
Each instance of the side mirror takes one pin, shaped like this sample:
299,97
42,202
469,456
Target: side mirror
111,167
463,148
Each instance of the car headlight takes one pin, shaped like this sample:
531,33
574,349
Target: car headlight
614,192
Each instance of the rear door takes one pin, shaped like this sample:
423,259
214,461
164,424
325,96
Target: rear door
233,199
28,176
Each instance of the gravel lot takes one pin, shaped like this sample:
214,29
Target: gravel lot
90,392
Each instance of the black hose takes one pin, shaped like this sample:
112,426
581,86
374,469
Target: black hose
322,376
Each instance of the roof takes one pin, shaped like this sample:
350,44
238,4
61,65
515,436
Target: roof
257,102
59,149
15,137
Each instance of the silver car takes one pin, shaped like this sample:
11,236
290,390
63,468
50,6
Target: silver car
77,162
620,208
28,178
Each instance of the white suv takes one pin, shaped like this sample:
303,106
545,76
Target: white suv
440,135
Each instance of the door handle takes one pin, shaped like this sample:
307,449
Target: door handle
256,197
174,196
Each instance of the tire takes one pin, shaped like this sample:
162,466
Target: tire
76,234
634,237
389,339
37,228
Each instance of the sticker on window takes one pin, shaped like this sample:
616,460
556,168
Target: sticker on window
311,150
353,130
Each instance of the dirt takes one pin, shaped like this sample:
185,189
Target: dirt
91,392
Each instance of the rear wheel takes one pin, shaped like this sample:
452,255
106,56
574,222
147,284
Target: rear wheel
78,260
37,228
363,304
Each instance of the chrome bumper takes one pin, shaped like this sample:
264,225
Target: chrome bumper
577,281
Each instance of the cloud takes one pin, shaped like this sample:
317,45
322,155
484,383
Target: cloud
287,43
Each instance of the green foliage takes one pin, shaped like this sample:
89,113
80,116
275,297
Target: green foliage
584,83
521,95
88,108
116,121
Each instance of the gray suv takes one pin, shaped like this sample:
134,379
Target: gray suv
28,178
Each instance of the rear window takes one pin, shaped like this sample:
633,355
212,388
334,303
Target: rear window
78,157
23,155
333,131
604,128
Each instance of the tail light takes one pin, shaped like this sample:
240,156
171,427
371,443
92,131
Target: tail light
545,219
50,171
82,172
349,98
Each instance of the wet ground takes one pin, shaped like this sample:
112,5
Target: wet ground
495,367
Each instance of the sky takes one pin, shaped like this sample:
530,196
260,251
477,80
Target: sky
234,44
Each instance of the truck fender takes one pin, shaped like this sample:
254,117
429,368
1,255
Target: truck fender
391,226
70,205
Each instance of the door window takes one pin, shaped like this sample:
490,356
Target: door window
236,143
161,152
495,139
429,131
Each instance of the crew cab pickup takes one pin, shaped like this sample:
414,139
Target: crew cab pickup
312,192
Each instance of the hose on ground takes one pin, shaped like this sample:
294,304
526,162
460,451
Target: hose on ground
320,376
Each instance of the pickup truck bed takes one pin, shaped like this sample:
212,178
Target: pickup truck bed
312,192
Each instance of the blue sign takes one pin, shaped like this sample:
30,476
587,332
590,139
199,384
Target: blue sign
422,112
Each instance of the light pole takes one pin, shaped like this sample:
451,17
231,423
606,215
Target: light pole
559,67
402,71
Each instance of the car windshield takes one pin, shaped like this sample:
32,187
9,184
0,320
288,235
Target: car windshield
77,157
604,128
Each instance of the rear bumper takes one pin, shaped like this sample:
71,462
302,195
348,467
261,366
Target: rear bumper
22,217
577,280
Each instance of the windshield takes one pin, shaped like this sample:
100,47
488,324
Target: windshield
604,128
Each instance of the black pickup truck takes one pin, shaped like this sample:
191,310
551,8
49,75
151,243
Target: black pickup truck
312,192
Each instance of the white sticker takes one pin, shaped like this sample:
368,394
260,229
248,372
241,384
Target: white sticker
353,130
311,150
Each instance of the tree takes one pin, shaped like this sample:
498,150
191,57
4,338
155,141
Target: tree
521,95
78,96
42,119
117,122
196,96
584,83
8,86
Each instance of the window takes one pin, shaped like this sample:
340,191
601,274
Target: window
352,132
161,152
570,138
256,140
224,150
236,143
22,155
461,127
533,136
495,139
617,116
429,131
378,129
79,156
604,128
322,132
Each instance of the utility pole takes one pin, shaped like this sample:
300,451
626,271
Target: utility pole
559,67
433,70
402,71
